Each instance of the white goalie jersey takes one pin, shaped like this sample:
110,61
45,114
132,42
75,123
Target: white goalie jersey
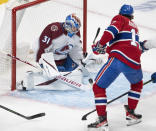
55,39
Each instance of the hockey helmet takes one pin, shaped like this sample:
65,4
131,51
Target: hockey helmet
72,24
126,10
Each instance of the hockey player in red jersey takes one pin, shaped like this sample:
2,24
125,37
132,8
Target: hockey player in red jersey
124,51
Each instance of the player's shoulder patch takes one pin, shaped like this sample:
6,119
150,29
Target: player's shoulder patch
57,29
54,27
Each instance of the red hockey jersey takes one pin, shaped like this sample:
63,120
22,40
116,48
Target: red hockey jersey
123,38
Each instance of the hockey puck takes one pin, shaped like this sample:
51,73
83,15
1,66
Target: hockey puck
90,81
24,88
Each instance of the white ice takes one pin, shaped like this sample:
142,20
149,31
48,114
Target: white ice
64,109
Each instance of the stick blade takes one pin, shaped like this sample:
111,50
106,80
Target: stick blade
84,118
35,116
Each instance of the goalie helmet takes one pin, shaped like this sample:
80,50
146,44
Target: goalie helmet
72,24
127,10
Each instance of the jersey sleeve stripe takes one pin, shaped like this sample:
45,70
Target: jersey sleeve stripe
124,36
113,29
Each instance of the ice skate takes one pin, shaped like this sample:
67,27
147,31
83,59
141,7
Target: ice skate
100,125
131,117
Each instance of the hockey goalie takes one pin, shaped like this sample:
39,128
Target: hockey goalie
58,51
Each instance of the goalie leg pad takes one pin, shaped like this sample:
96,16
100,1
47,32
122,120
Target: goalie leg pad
27,83
48,65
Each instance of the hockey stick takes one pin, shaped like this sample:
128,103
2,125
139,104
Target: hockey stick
97,33
66,80
84,117
21,115
16,58
51,81
62,78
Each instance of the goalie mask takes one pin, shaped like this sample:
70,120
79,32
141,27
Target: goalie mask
72,24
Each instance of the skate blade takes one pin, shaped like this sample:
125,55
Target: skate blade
130,122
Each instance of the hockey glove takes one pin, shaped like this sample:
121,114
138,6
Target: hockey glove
98,49
153,77
142,44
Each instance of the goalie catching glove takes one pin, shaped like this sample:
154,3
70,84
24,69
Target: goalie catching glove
98,48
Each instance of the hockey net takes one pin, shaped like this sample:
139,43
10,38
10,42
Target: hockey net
24,24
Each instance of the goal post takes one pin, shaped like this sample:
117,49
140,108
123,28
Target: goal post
14,10
16,47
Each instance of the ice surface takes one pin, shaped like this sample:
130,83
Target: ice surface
65,108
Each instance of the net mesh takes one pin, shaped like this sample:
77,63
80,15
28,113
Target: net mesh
30,23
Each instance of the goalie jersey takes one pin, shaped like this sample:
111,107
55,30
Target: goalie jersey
123,38
54,39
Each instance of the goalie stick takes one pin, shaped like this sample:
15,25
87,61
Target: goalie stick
51,81
84,117
62,78
66,80
16,58
21,115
